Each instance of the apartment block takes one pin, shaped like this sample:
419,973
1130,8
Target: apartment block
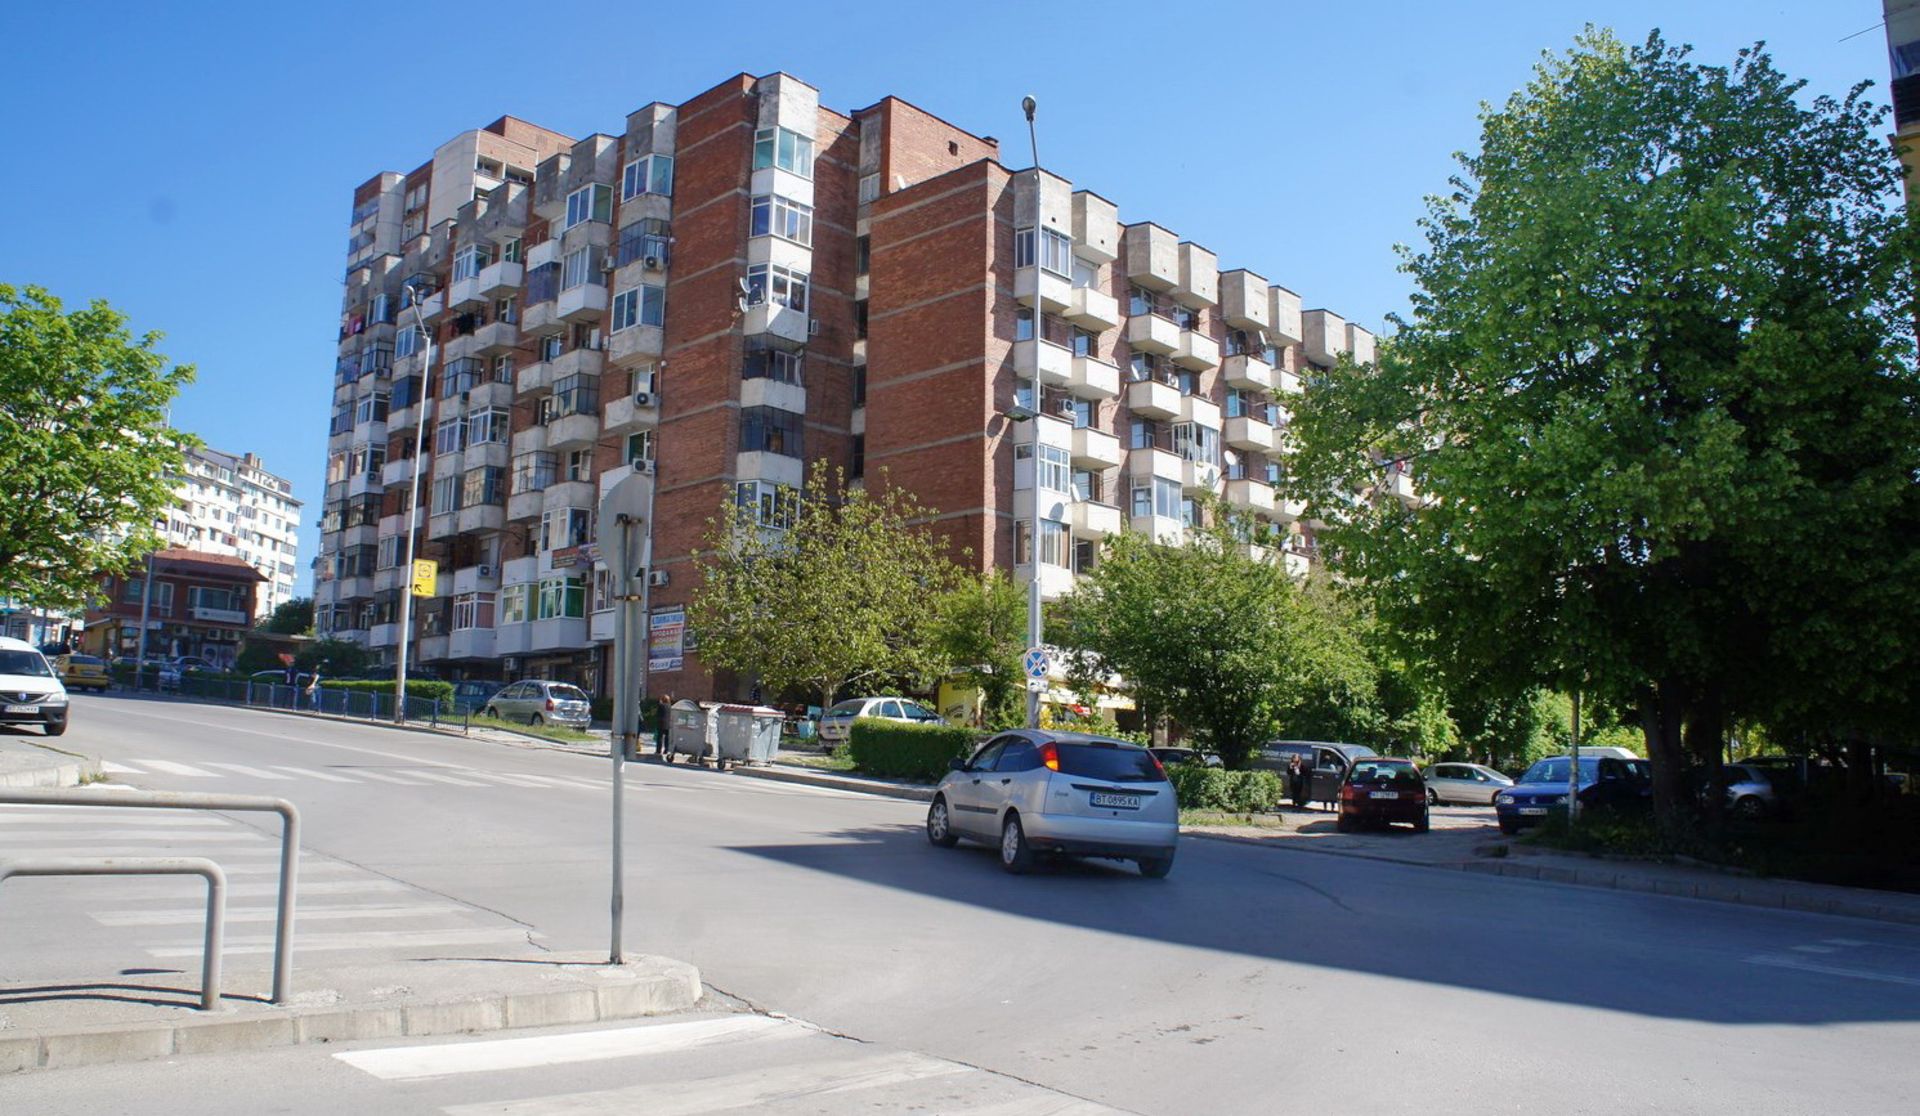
1902,22
230,505
201,604
732,288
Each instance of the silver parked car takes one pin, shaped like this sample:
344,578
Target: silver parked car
1464,784
541,703
1036,791
836,722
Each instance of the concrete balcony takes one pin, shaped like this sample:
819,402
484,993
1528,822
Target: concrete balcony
1152,256
775,320
1283,316
463,293
1095,521
476,579
531,439
1145,464
578,362
1095,449
1197,351
588,300
1286,383
1092,309
1159,528
482,517
1401,485
564,633
512,639
1248,373
540,317
628,414
1056,292
495,338
535,377
1287,511
1326,336
470,643
1360,344
383,635
1093,378
1056,362
1199,285
1151,333
600,625
522,506
362,484
1153,399
1200,411
501,279
573,432
432,649
366,534
1199,476
1298,564
1244,300
636,341
351,588
569,494
1096,228
491,393
1251,495
1245,432
444,526
1055,581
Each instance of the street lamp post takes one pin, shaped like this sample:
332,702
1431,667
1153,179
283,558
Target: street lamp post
1034,634
413,508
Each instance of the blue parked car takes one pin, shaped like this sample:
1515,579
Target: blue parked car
1605,783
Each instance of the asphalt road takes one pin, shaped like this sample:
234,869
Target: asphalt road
1251,980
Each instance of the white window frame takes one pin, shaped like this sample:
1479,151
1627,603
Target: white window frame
777,215
649,174
786,149
582,203
780,285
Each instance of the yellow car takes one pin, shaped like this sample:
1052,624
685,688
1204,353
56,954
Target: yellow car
83,672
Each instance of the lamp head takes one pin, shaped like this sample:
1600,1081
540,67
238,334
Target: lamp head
1028,105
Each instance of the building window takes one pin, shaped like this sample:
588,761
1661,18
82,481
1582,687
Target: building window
1056,251
485,487
763,361
773,215
858,468
862,255
869,188
649,174
773,283
766,504
162,594
472,610
1196,443
576,395
406,341
564,527
639,447
469,261
461,375
513,604
1161,498
589,203
770,430
503,311
1082,413
1055,465
389,552
535,471
645,304
503,369
646,241
1086,344
561,597
543,283
511,252
550,346
446,495
450,436
370,408
580,465
1055,549
783,148
582,266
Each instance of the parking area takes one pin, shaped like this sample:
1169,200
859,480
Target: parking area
1457,834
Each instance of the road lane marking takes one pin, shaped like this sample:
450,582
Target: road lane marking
1817,949
243,769
92,816
452,780
69,836
755,1089
168,767
406,1063
1831,970
386,777
261,890
513,779
309,773
305,943
111,768
193,916
1844,942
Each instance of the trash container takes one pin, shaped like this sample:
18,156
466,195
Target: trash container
748,733
687,729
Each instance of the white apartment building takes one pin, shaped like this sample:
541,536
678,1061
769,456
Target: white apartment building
231,505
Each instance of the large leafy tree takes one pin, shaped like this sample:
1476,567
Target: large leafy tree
1202,632
88,453
1659,396
290,617
843,595
981,631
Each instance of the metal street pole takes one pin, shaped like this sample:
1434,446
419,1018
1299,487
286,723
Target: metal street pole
620,511
1034,633
413,510
146,603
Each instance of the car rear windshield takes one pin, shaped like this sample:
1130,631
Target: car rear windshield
23,662
1115,762
1375,774
569,693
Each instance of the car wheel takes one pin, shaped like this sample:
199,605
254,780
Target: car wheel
490,711
1016,855
1749,808
1433,797
1155,867
1423,823
55,728
1343,824
1509,827
939,825
534,719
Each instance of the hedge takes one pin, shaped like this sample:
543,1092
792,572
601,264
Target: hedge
424,689
897,750
1235,792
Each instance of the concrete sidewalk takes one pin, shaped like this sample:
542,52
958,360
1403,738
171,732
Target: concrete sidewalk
29,762
143,1014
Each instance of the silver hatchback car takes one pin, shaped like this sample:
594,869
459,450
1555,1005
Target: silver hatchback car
1037,791
541,703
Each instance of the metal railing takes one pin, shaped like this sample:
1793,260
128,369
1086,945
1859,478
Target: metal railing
176,800
367,704
151,866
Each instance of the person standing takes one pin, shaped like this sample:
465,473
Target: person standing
662,717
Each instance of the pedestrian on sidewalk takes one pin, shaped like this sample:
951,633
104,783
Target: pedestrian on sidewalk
1297,782
662,714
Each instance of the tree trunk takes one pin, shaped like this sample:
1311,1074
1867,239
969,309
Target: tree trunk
1705,733
1661,715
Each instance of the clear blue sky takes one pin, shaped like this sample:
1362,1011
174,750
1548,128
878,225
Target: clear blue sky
192,163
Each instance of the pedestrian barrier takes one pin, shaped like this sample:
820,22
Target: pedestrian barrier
151,866
370,705
178,800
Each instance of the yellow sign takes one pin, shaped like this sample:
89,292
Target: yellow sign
426,572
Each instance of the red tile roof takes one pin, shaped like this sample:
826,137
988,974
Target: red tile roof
225,563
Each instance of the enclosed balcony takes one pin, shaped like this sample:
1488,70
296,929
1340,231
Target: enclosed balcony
1153,399
1145,464
1244,300
1199,285
1248,373
1095,449
476,579
1056,362
1244,432
1094,379
1151,333
1152,257
1092,309
565,633
1197,351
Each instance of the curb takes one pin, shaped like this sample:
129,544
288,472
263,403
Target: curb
1736,890
675,988
70,773
834,782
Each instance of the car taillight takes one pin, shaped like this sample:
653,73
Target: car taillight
1050,756
1157,765
549,704
1350,791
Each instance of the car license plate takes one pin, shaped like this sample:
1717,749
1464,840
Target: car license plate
1385,794
1534,811
23,709
1116,801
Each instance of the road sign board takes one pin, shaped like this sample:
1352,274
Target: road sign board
1036,662
426,572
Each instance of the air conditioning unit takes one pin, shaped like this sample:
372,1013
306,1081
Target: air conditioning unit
657,578
643,399
485,570
643,466
652,263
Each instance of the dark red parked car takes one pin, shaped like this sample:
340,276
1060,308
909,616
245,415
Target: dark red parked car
1383,791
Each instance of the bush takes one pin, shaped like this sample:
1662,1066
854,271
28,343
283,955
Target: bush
602,709
892,749
1234,792
423,689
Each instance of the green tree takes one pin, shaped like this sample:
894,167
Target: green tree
842,596
981,629
1201,632
332,658
89,455
290,617
1658,395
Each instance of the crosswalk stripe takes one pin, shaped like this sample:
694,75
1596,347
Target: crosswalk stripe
514,779
404,1063
93,816
168,767
112,768
265,889
243,769
385,777
309,773
192,916
1044,1104
453,780
306,943
751,1090
68,836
